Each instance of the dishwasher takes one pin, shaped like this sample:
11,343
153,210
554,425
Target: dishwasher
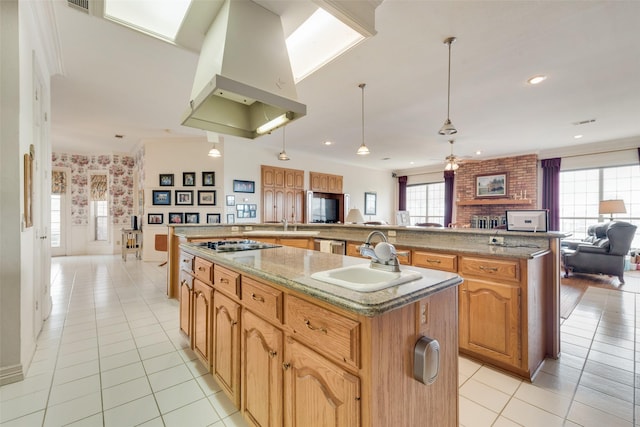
330,246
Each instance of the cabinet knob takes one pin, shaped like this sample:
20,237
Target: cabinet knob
272,353
223,280
257,297
286,366
433,261
234,322
489,269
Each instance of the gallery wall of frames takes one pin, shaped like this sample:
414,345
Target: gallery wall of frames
190,198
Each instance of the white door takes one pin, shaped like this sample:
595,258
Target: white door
41,206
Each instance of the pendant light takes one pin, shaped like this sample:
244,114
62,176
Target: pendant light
448,128
363,150
212,137
283,154
452,162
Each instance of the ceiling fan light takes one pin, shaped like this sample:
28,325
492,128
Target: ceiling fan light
448,128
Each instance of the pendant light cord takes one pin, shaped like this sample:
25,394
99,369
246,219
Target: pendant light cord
449,80
362,85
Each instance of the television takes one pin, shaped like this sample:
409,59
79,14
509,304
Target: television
528,220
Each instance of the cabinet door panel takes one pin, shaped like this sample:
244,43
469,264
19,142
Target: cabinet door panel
201,342
186,286
268,205
226,358
262,355
492,320
317,392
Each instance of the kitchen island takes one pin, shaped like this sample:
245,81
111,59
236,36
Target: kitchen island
290,350
509,302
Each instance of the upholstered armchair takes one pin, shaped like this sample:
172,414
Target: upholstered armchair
602,252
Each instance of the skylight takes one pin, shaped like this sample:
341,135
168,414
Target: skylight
320,39
161,18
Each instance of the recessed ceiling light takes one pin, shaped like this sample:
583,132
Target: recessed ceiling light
328,143
577,136
412,163
478,152
537,79
119,136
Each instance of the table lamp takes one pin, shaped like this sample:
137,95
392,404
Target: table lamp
354,216
611,207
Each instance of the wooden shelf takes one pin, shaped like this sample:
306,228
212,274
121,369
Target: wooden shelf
480,202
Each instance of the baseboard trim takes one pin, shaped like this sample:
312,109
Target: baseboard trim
11,374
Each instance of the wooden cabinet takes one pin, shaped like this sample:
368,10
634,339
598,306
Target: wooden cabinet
490,320
287,360
202,326
282,194
437,261
503,318
325,183
186,293
317,392
226,346
353,249
262,388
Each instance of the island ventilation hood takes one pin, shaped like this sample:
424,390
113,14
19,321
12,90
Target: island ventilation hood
243,84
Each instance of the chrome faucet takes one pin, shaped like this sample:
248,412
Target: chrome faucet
387,250
285,222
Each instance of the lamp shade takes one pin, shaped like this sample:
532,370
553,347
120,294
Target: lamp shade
611,207
354,216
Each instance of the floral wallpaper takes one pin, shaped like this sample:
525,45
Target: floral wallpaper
119,169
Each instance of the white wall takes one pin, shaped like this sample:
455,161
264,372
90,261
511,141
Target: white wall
175,156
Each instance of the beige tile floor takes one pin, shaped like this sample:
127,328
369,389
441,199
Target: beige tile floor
110,354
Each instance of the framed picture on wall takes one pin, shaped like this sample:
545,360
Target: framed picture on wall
208,179
176,218
231,200
370,199
155,218
494,185
184,197
231,218
166,180
207,197
191,218
161,197
188,179
213,218
244,186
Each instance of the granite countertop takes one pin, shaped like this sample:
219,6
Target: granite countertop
292,268
527,246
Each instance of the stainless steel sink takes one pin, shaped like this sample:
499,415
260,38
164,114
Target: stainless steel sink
363,278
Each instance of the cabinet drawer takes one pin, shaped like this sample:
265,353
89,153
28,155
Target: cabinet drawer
262,299
226,281
203,269
330,333
485,267
404,256
436,261
186,261
296,243
353,249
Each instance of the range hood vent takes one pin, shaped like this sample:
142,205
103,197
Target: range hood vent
243,84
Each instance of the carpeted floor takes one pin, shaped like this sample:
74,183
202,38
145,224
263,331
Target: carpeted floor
573,288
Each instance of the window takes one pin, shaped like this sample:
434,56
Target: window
582,190
99,207
425,203
56,219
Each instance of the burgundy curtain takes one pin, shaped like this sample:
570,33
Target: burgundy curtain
551,191
449,177
402,193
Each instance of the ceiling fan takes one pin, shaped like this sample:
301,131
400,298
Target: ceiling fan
452,161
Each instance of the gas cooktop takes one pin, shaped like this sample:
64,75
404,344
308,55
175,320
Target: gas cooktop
237,245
